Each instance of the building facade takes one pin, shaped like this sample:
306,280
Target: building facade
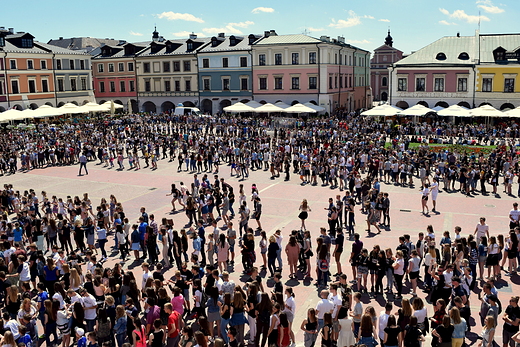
225,73
383,57
35,73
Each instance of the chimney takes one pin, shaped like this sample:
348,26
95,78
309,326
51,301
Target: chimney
61,37
273,33
193,36
266,33
11,30
458,34
325,38
341,39
21,32
221,35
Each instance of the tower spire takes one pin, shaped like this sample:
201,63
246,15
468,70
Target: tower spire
389,40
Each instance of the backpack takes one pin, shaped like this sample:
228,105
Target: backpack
323,265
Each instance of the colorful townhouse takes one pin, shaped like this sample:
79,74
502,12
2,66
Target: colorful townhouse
299,68
115,74
36,73
383,57
225,73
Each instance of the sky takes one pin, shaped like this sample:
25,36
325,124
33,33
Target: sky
413,23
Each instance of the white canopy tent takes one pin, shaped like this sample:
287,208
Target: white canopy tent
487,111
438,108
455,111
299,108
268,108
282,104
315,107
9,115
239,107
416,110
514,113
382,110
70,108
253,104
108,104
47,111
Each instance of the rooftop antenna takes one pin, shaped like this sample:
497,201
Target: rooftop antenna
479,21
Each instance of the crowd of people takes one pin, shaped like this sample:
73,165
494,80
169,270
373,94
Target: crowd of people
54,277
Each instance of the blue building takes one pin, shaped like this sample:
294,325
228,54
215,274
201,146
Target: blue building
225,72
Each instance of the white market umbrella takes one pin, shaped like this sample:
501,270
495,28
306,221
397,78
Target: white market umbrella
70,108
253,104
514,113
438,108
108,104
299,108
267,108
315,107
238,107
282,104
47,111
416,110
455,111
9,115
382,110
486,111
93,107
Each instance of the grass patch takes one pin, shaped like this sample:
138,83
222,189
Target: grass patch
457,148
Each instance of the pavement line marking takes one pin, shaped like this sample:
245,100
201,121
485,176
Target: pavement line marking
272,185
448,221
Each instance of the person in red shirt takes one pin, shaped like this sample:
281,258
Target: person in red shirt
174,325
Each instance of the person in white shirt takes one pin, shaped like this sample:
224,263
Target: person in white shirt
336,300
323,306
383,321
146,274
514,216
434,190
482,229
90,306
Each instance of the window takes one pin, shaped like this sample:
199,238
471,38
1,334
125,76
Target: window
61,85
225,62
166,66
147,86
190,46
295,83
122,86
32,86
205,63
120,67
101,87
30,65
295,58
438,85
100,67
341,80
278,59
263,83
278,83
45,86
336,82
313,82
71,64
177,86
384,81
176,66
225,84
402,85
420,84
82,65
509,85
130,66
261,59
14,87
112,87
2,41
83,84
43,64
188,85
243,61
330,82
206,83
146,67
13,64
244,84
73,84
462,84
487,84
167,86
464,56
27,43
132,86
187,65
111,67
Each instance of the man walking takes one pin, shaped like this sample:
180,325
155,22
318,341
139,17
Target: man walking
83,163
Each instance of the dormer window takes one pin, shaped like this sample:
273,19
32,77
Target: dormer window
2,41
499,54
252,39
464,56
214,42
190,46
440,56
27,43
232,41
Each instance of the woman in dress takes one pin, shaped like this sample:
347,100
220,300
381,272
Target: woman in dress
424,198
222,252
346,336
304,213
392,333
292,249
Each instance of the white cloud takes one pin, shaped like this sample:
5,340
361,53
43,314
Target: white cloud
444,22
358,41
135,34
180,16
385,20
368,16
263,9
462,15
311,29
491,9
230,28
185,34
352,21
